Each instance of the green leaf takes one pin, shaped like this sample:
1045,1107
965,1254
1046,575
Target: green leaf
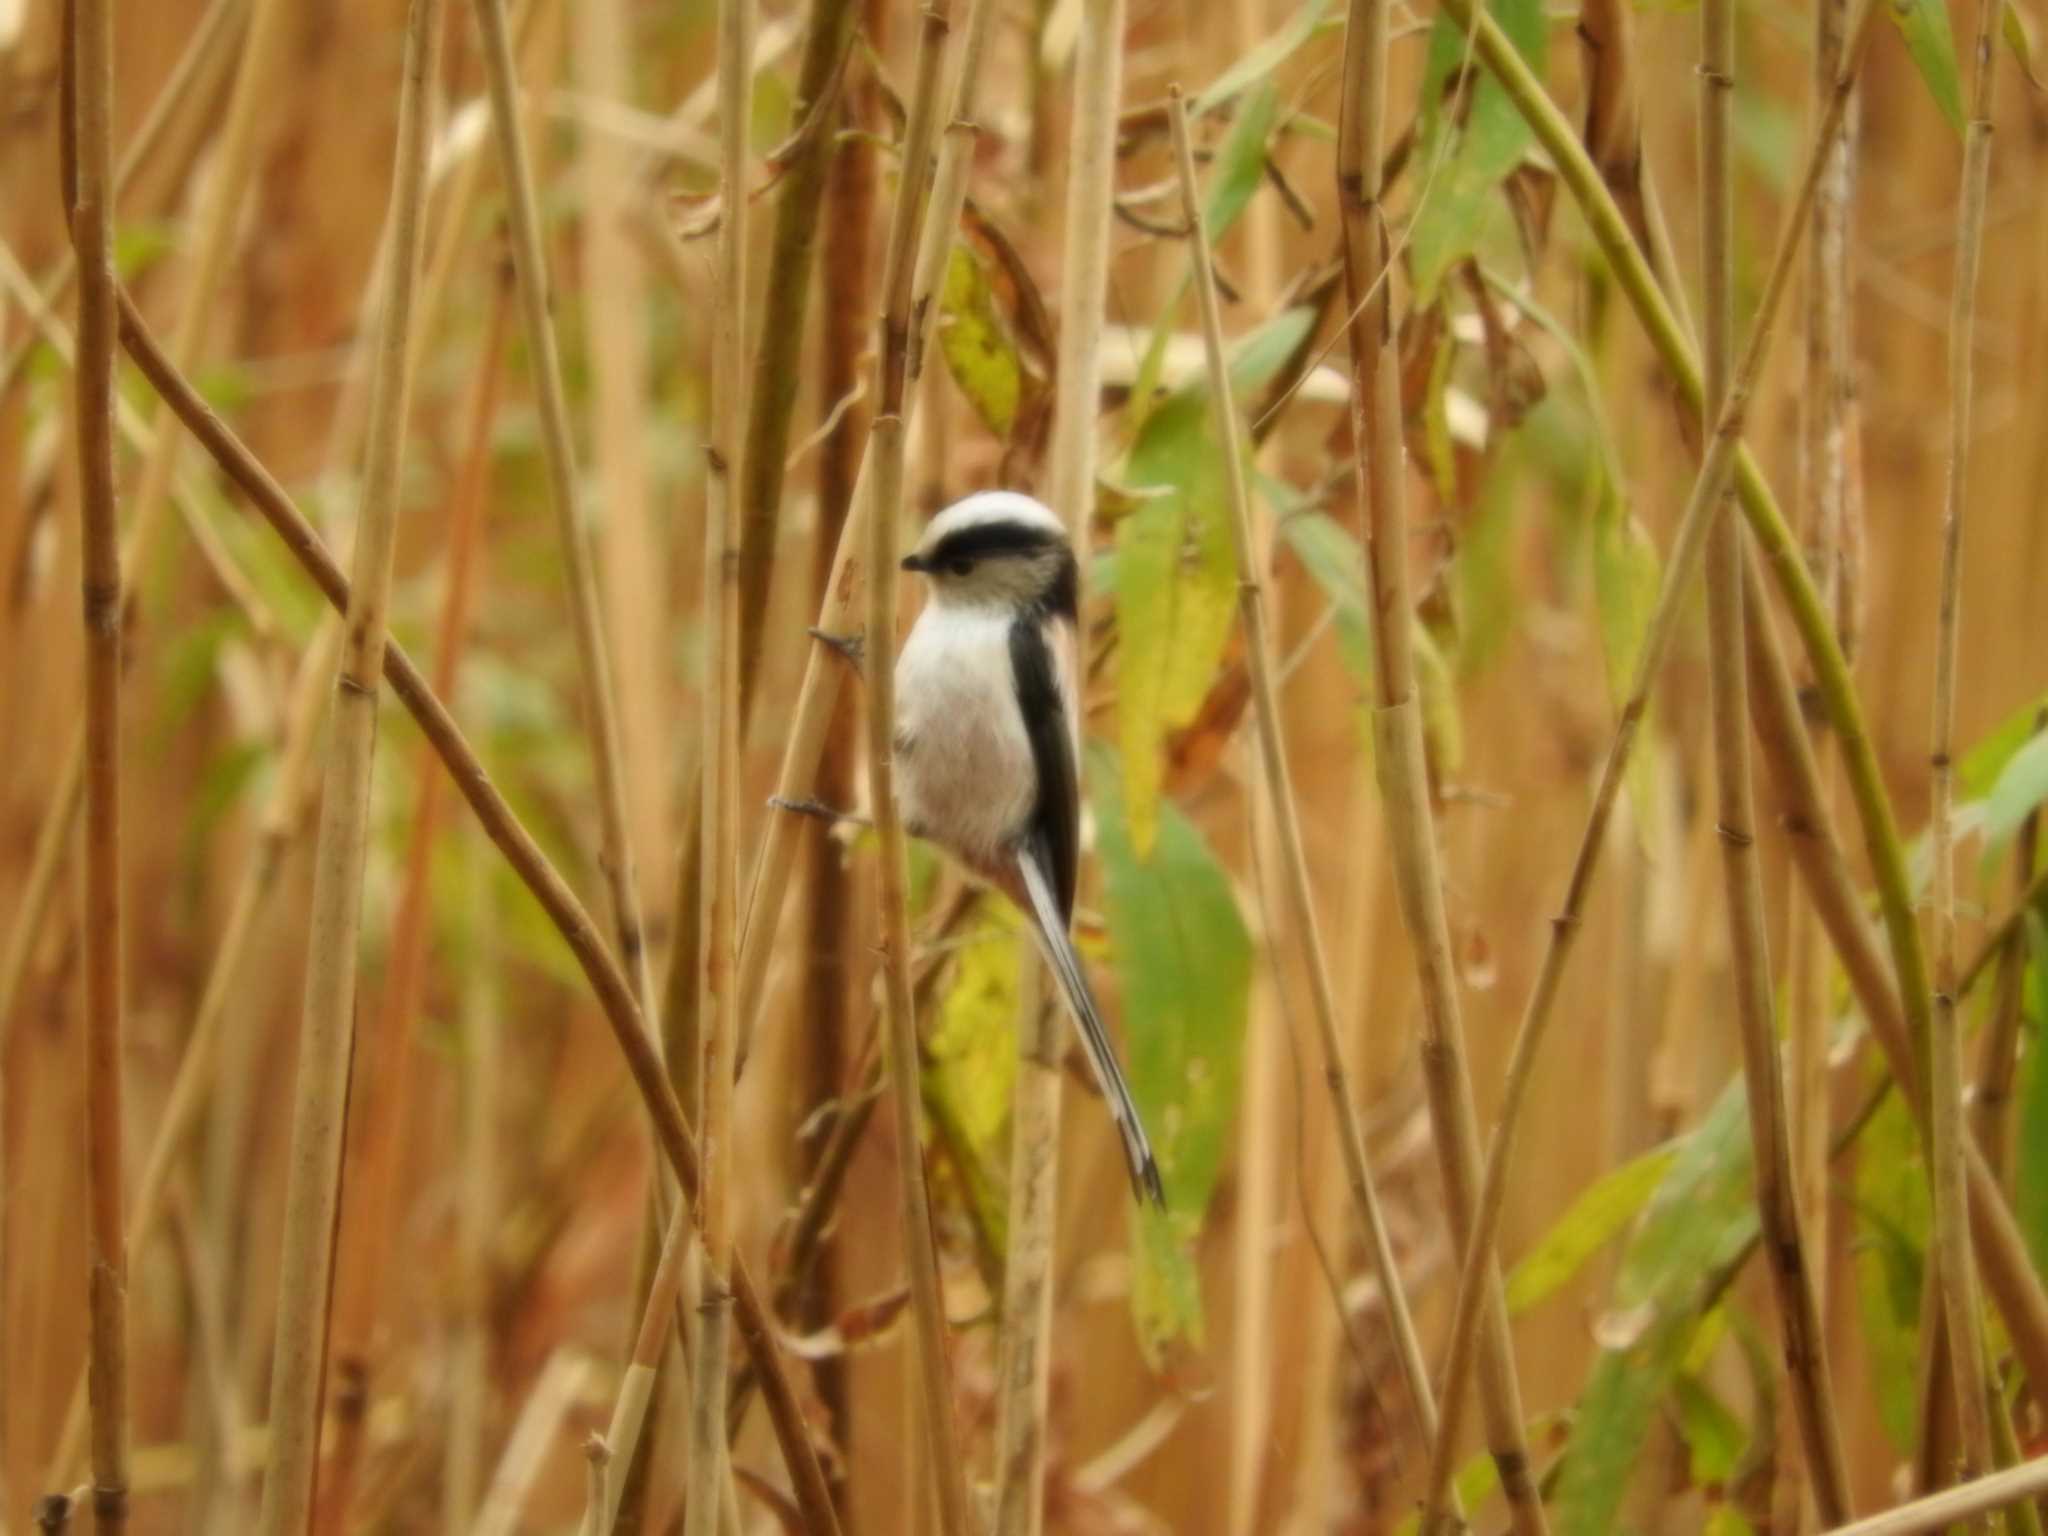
1263,59
1176,589
1924,25
2016,25
1892,1217
1460,187
1714,1436
1183,961
977,346
1985,761
1627,576
2022,785
970,1071
1703,1216
2030,1161
1589,1224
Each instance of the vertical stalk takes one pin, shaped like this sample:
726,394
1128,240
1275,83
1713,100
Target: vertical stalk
887,449
320,1099
380,1103
92,233
824,668
1279,785
558,444
1397,726
1024,1347
717,996
1945,1070
1805,1352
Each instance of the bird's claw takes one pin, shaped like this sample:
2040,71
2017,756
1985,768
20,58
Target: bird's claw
853,647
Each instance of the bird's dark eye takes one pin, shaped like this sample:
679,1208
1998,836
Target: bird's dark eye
960,567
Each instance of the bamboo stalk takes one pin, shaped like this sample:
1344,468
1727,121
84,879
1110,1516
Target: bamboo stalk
1958,1268
1971,1501
1277,780
886,452
1024,1346
320,1099
92,234
717,995
1804,1342
558,443
1721,462
608,983
381,1101
823,668
1398,756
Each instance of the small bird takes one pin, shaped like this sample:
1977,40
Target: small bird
988,740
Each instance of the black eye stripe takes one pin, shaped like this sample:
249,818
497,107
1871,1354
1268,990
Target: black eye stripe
984,540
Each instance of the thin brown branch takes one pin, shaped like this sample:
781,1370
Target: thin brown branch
608,984
92,233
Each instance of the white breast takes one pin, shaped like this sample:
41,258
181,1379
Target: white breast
964,772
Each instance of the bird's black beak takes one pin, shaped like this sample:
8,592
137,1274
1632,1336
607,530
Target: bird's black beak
915,563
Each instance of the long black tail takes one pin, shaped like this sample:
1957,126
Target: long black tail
1066,965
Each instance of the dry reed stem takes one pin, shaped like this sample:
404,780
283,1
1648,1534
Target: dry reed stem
1398,754
1278,782
1944,1047
213,31
1804,1342
283,814
608,983
886,450
629,1408
2016,1287
785,300
92,233
152,501
1971,1501
469,1392
1829,445
558,443
381,1100
1721,460
321,1092
824,667
717,998
1024,1346
2002,1253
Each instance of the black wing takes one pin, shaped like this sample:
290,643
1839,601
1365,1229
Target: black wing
1055,827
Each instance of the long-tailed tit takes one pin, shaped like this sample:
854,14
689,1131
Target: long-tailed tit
987,740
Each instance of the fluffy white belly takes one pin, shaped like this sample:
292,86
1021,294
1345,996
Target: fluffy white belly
964,772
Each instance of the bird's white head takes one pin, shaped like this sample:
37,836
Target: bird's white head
998,549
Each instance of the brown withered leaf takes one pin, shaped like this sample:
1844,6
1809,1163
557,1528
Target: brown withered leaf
860,1326
1193,752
